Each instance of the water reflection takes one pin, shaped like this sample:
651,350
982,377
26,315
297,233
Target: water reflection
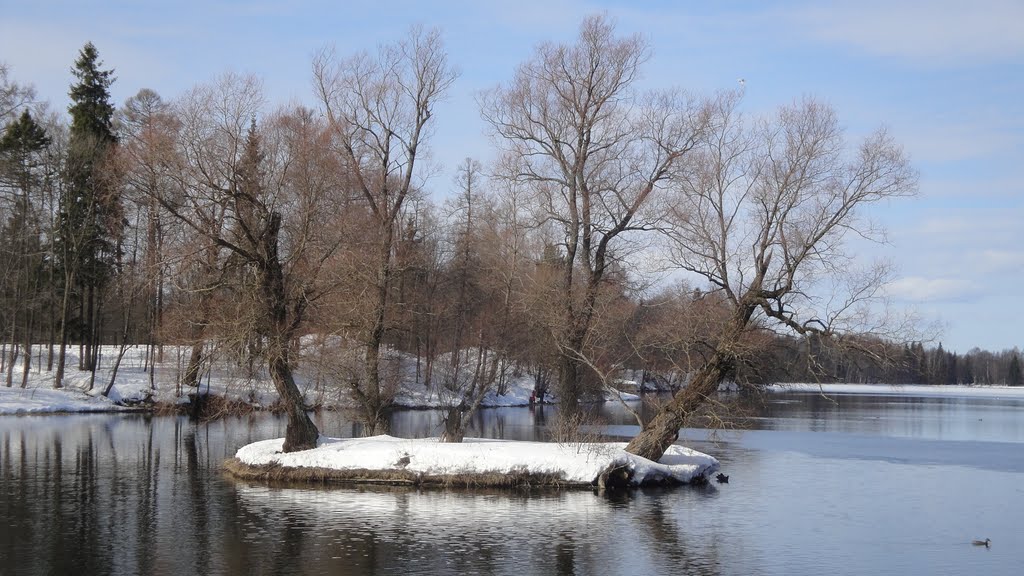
112,494
143,495
434,532
107,494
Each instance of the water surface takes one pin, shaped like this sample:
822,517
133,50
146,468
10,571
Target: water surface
841,485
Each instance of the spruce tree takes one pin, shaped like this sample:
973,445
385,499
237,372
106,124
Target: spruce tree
1015,378
90,217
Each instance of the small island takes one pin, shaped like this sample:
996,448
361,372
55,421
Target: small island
472,463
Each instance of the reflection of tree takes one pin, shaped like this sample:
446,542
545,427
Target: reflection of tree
538,415
148,473
565,554
199,504
68,507
667,541
289,554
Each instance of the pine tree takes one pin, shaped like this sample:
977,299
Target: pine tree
1015,378
90,217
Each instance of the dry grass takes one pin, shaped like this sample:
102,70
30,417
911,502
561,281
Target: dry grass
277,474
206,407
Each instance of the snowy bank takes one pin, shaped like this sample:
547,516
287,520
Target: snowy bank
474,462
136,386
906,390
50,401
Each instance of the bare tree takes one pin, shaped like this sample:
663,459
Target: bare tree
379,108
261,198
593,152
13,96
147,131
761,214
476,320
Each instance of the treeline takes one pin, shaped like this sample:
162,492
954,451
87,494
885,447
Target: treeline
877,361
912,363
215,222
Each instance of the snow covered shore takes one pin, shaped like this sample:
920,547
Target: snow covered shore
134,386
922,390
41,400
474,462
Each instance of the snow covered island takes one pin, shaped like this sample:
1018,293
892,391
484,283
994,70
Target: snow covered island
475,462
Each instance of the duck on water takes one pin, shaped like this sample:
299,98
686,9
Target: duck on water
986,542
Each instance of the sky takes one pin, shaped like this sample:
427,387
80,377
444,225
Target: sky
945,77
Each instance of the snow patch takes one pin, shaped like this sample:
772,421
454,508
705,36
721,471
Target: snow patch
905,390
572,462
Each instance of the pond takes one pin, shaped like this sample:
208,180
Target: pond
855,484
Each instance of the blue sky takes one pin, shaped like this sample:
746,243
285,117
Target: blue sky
945,77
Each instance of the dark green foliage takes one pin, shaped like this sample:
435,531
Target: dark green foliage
22,139
92,114
1014,377
90,218
22,171
23,175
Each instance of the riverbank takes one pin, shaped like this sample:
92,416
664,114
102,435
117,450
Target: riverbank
904,390
139,386
475,462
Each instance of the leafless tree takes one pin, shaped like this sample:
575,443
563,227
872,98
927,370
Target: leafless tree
13,96
147,131
762,213
379,108
477,357
593,152
261,197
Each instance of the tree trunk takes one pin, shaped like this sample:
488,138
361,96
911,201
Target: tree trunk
86,357
376,405
301,433
28,349
663,429
570,382
65,309
97,329
121,349
13,354
195,361
52,339
454,431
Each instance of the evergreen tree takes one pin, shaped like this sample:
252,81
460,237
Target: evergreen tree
1015,378
90,217
22,173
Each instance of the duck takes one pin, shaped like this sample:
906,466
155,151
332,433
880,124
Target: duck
986,542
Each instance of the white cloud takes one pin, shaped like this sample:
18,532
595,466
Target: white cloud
935,32
939,142
1000,261
963,230
921,289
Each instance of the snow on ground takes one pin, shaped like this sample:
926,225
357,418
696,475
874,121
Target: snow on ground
573,462
133,385
47,400
906,390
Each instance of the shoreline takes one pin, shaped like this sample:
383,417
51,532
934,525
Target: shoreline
38,401
472,463
306,476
